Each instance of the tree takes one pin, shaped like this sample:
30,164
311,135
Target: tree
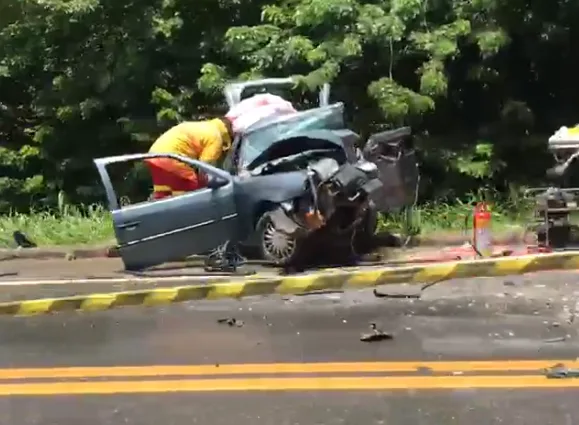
476,79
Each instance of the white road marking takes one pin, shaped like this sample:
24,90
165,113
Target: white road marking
135,280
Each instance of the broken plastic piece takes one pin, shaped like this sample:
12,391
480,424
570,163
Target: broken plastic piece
396,296
231,321
375,335
561,371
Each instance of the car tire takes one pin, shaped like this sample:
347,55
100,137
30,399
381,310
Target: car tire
275,246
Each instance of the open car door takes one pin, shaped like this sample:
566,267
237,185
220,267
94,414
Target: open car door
170,229
394,154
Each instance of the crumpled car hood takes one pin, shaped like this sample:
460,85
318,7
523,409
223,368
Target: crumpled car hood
267,133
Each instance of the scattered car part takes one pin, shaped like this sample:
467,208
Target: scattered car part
231,321
395,156
560,371
375,335
320,292
378,294
225,258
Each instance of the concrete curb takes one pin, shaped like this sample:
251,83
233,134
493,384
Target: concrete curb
106,251
64,253
350,278
456,239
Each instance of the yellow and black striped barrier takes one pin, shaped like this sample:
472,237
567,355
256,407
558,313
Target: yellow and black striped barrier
354,278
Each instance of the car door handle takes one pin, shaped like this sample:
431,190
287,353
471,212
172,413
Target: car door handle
129,225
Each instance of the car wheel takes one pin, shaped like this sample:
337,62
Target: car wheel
276,246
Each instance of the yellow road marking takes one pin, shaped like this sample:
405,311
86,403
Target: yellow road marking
287,384
280,368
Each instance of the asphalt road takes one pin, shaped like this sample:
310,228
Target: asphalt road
18,270
96,268
300,360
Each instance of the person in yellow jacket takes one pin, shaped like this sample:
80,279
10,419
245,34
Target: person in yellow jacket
205,141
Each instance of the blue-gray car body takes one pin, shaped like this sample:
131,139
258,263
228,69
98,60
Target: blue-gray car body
155,232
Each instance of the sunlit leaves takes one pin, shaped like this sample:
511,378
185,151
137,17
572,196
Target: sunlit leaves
397,102
276,15
69,69
441,42
243,40
491,41
374,23
313,13
433,81
69,6
212,78
407,10
477,162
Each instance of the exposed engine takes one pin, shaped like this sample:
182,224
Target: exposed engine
337,191
336,195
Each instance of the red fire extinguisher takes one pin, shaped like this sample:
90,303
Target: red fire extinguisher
481,225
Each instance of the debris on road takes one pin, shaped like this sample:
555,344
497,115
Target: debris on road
231,321
423,370
320,292
376,335
378,294
224,258
560,371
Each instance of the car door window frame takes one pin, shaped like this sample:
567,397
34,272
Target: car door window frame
112,198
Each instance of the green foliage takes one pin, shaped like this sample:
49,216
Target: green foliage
72,225
88,78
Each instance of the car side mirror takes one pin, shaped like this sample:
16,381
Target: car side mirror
214,182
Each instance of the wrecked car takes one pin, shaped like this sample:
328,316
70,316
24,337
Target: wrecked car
289,184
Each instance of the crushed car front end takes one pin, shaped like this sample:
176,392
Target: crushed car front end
296,210
335,197
303,181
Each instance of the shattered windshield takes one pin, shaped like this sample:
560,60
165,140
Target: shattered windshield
264,134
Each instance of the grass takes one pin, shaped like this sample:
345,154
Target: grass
457,217
71,227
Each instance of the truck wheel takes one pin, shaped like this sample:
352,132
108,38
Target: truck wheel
276,246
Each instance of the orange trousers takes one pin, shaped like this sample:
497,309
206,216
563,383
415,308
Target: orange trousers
173,178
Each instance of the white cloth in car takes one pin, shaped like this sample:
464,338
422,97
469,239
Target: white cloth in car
256,108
